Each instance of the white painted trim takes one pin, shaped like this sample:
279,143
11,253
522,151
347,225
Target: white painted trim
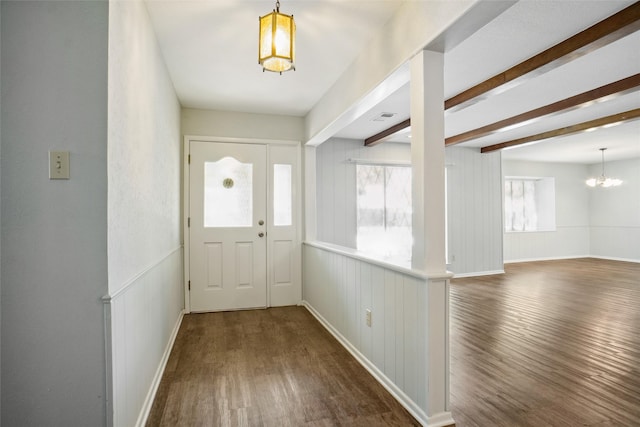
637,261
512,261
110,297
189,138
151,395
379,376
108,357
478,273
353,253
443,419
379,162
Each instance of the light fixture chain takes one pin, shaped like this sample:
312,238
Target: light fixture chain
277,5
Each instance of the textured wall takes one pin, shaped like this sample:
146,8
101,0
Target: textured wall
54,233
144,147
145,258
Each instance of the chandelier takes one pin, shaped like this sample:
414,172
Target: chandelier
602,180
277,43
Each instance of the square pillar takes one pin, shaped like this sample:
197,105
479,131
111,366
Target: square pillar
428,254
427,162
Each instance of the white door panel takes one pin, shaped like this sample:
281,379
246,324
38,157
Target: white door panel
284,241
227,209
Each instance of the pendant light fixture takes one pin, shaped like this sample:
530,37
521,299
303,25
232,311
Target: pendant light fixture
602,180
276,46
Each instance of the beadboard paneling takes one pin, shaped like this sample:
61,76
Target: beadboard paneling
340,289
565,242
143,319
474,210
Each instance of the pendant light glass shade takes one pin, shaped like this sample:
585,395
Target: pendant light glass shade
276,47
602,180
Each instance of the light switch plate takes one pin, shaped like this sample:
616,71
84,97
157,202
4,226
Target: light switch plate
58,165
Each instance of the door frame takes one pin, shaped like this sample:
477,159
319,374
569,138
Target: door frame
297,204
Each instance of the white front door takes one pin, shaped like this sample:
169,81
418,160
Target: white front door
227,232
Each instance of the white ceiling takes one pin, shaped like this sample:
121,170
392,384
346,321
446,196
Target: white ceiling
211,50
210,47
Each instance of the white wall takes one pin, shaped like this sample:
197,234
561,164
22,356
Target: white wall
241,125
336,185
614,213
571,238
474,211
54,233
144,147
145,299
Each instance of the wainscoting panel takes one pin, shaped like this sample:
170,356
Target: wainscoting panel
565,242
142,319
339,289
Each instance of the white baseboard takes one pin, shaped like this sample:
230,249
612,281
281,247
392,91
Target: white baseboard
637,261
478,273
569,257
439,420
553,258
151,395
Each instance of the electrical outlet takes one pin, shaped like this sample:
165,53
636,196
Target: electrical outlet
368,317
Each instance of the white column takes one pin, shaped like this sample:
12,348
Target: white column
427,161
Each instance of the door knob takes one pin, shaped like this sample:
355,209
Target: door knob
261,222
261,234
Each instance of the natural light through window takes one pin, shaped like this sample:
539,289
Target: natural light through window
281,195
384,211
228,193
529,204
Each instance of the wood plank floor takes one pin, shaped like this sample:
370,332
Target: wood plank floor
553,343
274,367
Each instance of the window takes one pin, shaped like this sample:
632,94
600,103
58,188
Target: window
282,212
384,211
228,193
529,204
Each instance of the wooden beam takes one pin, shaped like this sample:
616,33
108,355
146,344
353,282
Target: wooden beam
604,32
569,130
379,137
609,91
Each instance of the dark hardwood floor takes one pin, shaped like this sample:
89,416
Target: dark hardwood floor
553,343
274,367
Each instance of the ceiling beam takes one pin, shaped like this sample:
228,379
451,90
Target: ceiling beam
604,32
569,130
380,137
609,91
